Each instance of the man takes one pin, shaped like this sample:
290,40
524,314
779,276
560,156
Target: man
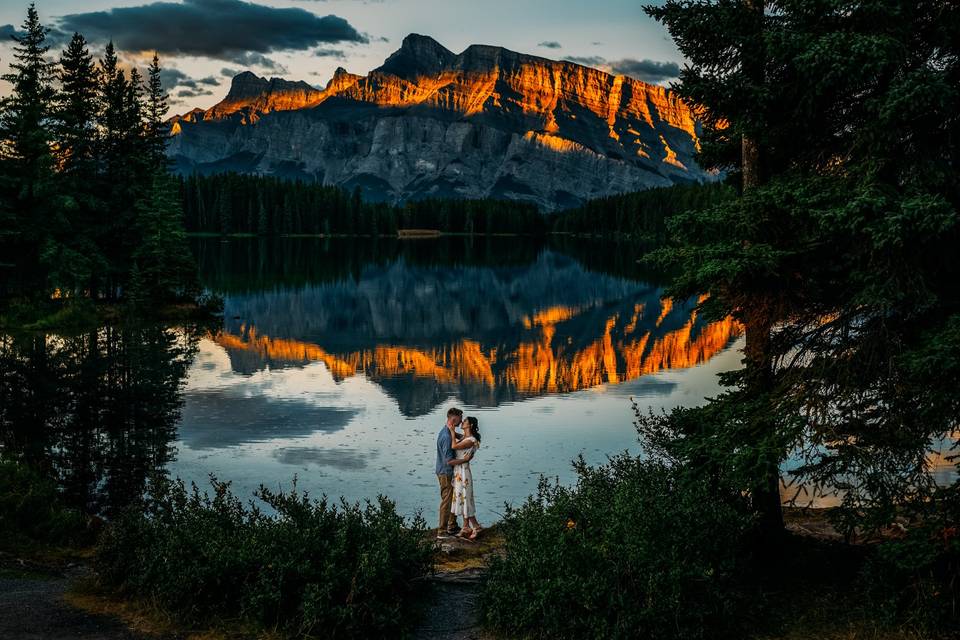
446,460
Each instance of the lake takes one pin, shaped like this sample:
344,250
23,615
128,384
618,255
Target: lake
337,359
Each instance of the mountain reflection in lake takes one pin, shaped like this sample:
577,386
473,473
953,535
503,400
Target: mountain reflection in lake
336,361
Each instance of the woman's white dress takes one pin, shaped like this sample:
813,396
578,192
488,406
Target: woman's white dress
463,504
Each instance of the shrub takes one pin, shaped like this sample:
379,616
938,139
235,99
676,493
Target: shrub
915,581
308,568
31,510
633,550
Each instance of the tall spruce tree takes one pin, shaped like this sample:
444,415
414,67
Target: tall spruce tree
162,260
25,141
838,241
76,113
73,251
156,111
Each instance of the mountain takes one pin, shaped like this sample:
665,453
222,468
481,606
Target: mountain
507,333
487,122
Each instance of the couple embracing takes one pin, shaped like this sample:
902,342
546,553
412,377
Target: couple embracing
454,453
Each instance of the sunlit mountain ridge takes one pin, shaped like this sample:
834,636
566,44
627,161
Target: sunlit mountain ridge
487,122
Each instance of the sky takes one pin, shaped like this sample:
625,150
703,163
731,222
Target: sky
203,43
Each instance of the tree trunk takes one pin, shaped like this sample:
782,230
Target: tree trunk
760,382
759,320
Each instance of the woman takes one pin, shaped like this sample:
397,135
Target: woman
463,504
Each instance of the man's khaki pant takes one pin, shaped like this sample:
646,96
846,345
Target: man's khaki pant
447,520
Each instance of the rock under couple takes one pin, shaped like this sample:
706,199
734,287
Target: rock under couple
454,453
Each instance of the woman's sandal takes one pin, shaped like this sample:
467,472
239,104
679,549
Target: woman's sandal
474,533
464,535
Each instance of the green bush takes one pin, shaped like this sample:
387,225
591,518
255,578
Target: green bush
307,568
32,512
915,581
634,550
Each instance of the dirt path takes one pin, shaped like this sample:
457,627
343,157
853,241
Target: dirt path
452,592
32,606
452,610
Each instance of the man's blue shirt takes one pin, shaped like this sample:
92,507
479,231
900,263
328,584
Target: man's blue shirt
444,452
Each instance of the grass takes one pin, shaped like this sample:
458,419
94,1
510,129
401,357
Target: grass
146,618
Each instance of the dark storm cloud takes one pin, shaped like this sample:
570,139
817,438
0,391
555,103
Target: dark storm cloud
228,72
223,29
194,93
174,78
550,44
7,31
330,53
590,61
247,59
646,70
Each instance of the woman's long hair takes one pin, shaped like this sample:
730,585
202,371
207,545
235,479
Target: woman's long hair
474,427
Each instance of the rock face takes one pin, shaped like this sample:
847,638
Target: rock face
487,122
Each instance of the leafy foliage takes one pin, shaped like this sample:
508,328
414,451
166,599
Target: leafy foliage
31,510
309,568
914,579
635,549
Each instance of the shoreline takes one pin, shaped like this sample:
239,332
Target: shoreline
55,316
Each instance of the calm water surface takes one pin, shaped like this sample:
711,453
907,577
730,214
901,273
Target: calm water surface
344,378
336,361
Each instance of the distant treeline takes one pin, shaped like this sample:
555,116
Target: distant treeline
235,203
641,215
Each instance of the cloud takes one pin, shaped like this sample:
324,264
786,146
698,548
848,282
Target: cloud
342,458
174,78
247,59
646,70
550,44
222,29
228,72
7,31
223,418
330,53
194,93
55,37
590,61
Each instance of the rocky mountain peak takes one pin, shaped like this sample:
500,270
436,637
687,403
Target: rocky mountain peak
341,80
418,56
246,85
488,122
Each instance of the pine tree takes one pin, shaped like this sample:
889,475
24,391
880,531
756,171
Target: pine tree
113,91
26,136
162,261
156,111
833,255
76,113
72,252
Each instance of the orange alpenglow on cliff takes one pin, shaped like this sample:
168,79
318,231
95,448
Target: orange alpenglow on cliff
535,365
487,122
